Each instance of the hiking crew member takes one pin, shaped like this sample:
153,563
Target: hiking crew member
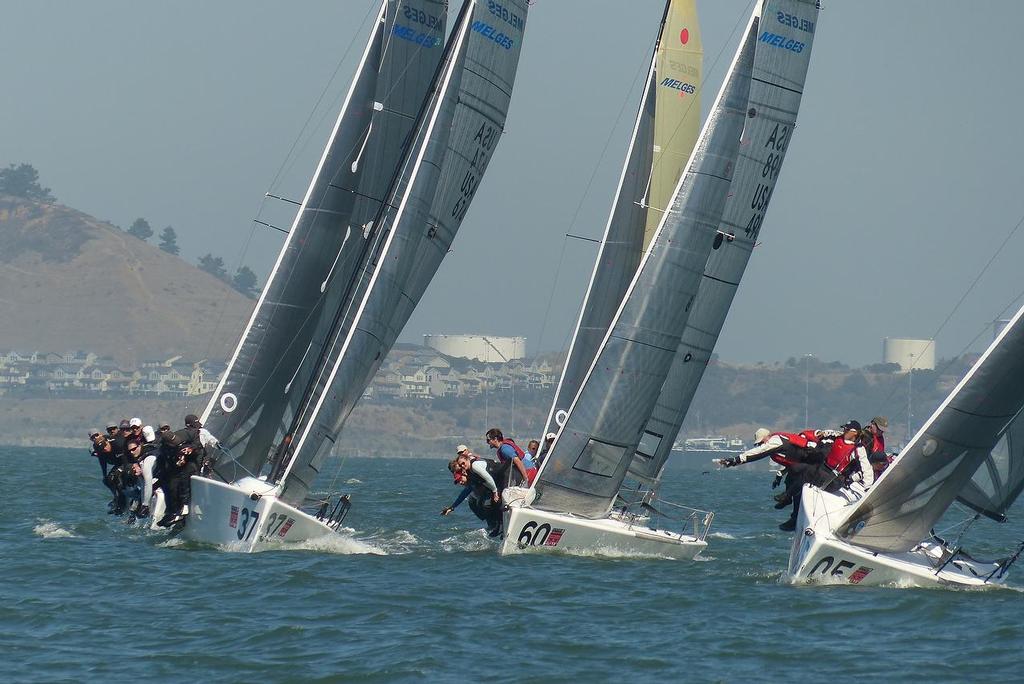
510,454
796,451
479,485
848,451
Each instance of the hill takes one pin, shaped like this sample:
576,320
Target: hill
69,281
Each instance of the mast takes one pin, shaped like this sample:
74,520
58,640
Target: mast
776,90
661,137
453,146
916,489
267,377
593,449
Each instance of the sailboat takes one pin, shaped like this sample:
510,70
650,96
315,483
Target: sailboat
885,536
649,324
415,134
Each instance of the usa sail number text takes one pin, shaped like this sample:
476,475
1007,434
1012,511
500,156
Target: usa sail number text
484,139
776,147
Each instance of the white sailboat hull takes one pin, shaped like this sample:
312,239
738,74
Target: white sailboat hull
531,530
819,557
246,516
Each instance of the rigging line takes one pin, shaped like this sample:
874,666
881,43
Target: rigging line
327,111
337,67
973,284
361,281
586,191
582,237
337,471
644,67
268,225
984,269
283,199
379,214
220,307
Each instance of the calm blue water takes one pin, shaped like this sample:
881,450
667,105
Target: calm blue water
416,597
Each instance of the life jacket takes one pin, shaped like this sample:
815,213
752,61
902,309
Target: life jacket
793,449
519,452
877,443
840,455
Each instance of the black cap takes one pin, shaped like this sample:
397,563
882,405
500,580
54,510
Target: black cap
192,420
124,425
112,425
852,425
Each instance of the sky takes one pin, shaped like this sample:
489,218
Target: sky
900,185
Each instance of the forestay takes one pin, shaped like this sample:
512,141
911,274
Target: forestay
780,69
917,488
283,346
588,459
657,152
1000,479
453,148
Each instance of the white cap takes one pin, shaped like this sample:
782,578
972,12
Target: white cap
761,434
148,433
135,422
550,435
462,447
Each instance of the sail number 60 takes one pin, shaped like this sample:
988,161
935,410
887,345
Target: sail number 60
533,534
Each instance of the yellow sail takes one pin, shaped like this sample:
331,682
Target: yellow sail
677,106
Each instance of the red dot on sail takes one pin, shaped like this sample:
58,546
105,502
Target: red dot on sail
684,36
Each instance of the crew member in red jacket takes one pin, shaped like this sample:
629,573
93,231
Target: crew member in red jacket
796,451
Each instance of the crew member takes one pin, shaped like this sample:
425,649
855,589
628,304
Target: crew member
848,458
796,451
476,475
510,454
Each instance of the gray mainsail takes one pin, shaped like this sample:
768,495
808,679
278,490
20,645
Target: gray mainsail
1000,479
267,379
593,449
917,488
776,89
619,254
453,147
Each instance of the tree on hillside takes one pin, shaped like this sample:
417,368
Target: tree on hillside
214,266
169,241
141,229
23,181
245,281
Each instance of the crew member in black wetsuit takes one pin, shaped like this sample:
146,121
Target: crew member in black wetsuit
480,479
103,451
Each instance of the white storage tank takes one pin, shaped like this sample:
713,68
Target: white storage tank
916,354
490,348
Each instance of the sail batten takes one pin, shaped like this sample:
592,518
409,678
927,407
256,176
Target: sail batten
593,449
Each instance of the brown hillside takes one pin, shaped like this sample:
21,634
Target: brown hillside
69,281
